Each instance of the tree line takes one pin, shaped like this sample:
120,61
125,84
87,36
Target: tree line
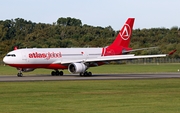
70,32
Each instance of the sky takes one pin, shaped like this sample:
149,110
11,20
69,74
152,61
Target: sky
147,13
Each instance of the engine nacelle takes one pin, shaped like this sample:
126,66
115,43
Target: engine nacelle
27,69
77,68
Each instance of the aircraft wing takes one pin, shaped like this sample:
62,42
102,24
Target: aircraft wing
85,60
114,58
111,58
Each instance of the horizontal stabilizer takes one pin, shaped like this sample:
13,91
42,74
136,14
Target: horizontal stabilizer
133,50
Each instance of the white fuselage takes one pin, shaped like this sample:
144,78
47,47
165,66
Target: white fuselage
41,57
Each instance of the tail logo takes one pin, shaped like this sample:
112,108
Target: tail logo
126,32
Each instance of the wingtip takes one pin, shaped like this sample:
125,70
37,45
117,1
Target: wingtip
172,52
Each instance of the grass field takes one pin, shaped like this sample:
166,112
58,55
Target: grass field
103,96
125,68
93,96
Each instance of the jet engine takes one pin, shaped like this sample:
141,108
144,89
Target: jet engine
77,68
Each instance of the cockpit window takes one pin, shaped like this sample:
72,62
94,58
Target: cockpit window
12,55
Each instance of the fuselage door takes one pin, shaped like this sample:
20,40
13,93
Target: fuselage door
24,56
85,55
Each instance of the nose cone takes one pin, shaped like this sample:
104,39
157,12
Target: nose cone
5,60
10,58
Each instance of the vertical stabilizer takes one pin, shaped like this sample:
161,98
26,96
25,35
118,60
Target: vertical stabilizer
122,40
124,36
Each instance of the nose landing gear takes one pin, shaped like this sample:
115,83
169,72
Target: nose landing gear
20,73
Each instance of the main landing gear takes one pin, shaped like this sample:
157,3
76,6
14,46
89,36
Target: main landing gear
85,74
57,73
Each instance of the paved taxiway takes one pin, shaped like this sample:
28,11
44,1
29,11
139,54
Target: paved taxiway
11,78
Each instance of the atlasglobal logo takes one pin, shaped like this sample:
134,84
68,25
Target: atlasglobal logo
47,55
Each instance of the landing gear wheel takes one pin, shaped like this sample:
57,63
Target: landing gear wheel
81,74
89,73
53,73
57,73
85,74
19,74
61,73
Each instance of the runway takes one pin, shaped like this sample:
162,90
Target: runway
14,78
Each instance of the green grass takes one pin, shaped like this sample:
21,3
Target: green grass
126,68
136,68
93,96
103,96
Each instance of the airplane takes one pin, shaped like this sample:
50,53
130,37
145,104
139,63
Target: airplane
76,60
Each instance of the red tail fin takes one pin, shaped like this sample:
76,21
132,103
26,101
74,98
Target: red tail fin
122,40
